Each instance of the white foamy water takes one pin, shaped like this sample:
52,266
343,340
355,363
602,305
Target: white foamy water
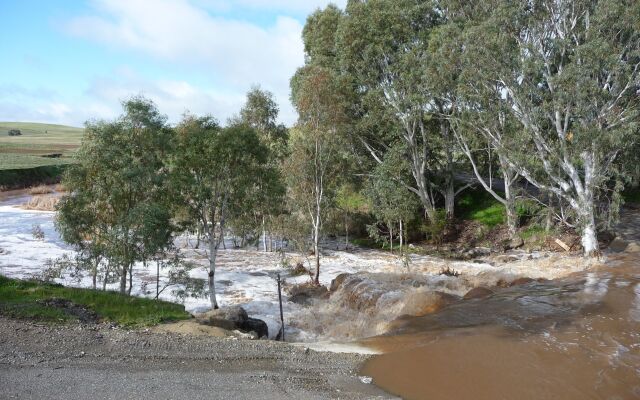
246,276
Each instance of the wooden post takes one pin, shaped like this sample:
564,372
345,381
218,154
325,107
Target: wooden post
281,333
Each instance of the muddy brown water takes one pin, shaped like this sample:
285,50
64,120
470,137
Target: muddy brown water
574,338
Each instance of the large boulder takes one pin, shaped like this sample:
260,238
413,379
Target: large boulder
226,318
255,325
515,243
521,281
474,253
233,318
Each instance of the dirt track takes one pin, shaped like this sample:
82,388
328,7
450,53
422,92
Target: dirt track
79,362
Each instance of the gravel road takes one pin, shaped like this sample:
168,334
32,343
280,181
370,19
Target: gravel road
99,362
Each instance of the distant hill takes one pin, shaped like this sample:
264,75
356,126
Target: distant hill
37,145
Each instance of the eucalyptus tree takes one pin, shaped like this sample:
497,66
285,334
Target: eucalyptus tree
215,174
483,125
260,112
312,170
568,70
385,49
117,189
79,224
350,201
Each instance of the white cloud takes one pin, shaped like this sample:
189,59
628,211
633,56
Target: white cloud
287,6
236,52
196,35
103,97
173,98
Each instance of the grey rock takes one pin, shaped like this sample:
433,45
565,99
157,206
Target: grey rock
255,325
515,243
478,293
633,247
618,245
226,318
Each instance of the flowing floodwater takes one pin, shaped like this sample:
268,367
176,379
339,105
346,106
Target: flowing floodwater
571,338
570,332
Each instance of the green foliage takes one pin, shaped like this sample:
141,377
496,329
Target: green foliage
480,206
216,171
23,299
532,230
117,189
350,200
386,190
260,112
434,229
528,209
25,161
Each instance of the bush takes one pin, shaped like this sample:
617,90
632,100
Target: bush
15,132
37,232
435,230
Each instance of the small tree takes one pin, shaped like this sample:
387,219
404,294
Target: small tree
260,112
117,196
313,167
390,200
215,171
349,202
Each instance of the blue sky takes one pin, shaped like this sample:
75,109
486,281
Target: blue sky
68,61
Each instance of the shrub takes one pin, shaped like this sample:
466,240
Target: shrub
434,230
37,232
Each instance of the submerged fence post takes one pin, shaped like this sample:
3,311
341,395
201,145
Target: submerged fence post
281,333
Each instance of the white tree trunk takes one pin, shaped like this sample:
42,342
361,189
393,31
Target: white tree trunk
213,253
316,249
264,236
589,237
401,237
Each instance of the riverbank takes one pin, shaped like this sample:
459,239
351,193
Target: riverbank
52,362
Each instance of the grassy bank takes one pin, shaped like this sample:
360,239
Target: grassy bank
50,303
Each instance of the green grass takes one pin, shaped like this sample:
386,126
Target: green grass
533,230
480,206
37,140
20,299
24,161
